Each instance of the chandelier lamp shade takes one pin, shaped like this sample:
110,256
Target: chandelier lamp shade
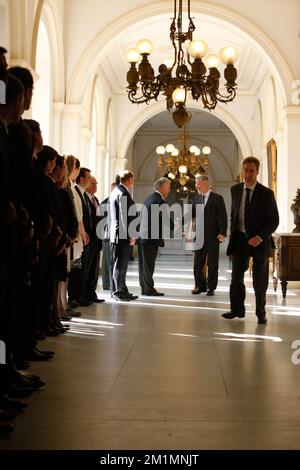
190,71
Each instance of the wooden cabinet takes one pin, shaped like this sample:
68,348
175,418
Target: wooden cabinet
287,259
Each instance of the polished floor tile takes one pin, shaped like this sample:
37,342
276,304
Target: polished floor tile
170,372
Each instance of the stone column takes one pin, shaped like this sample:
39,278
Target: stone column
58,109
72,118
86,155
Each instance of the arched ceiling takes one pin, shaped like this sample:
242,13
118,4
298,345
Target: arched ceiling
200,120
251,68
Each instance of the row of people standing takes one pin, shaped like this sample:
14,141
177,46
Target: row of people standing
45,234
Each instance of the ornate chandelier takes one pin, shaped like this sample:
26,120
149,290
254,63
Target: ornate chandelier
179,75
184,163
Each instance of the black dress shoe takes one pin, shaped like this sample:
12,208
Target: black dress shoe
15,392
198,290
20,364
84,302
121,297
262,320
154,293
131,296
37,356
9,404
6,415
97,301
230,315
210,292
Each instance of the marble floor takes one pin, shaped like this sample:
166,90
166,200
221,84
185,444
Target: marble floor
169,373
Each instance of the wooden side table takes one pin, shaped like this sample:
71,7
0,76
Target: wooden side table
287,259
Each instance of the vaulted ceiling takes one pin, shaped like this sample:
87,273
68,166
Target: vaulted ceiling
251,68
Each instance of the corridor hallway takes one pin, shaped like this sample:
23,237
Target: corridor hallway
169,373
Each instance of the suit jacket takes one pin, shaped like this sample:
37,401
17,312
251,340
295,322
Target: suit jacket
263,218
95,219
122,212
153,234
86,214
215,218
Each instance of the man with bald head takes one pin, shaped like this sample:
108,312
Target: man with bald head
154,215
95,244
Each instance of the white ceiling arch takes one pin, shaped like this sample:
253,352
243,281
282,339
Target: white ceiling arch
147,112
114,34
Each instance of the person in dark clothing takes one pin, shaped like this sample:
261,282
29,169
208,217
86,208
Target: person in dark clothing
214,228
122,213
95,244
154,216
254,217
105,260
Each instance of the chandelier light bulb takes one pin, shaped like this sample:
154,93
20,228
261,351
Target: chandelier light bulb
212,60
175,152
228,55
179,95
171,176
144,46
198,152
170,148
197,48
160,150
193,148
206,150
169,62
132,56
182,169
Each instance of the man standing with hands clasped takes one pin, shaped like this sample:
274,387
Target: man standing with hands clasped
254,217
213,222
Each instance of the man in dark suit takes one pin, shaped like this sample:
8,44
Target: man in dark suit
83,181
105,236
254,217
95,244
154,216
215,229
122,213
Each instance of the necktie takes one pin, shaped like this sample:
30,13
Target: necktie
87,203
94,202
201,197
246,211
86,200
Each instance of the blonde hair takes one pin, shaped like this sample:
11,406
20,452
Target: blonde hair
71,163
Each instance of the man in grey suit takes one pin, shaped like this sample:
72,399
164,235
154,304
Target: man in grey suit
254,217
121,213
215,228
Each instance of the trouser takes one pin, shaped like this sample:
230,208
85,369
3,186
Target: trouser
105,264
94,270
147,257
260,274
119,257
209,252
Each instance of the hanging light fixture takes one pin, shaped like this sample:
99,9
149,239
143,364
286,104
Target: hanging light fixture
184,162
185,72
